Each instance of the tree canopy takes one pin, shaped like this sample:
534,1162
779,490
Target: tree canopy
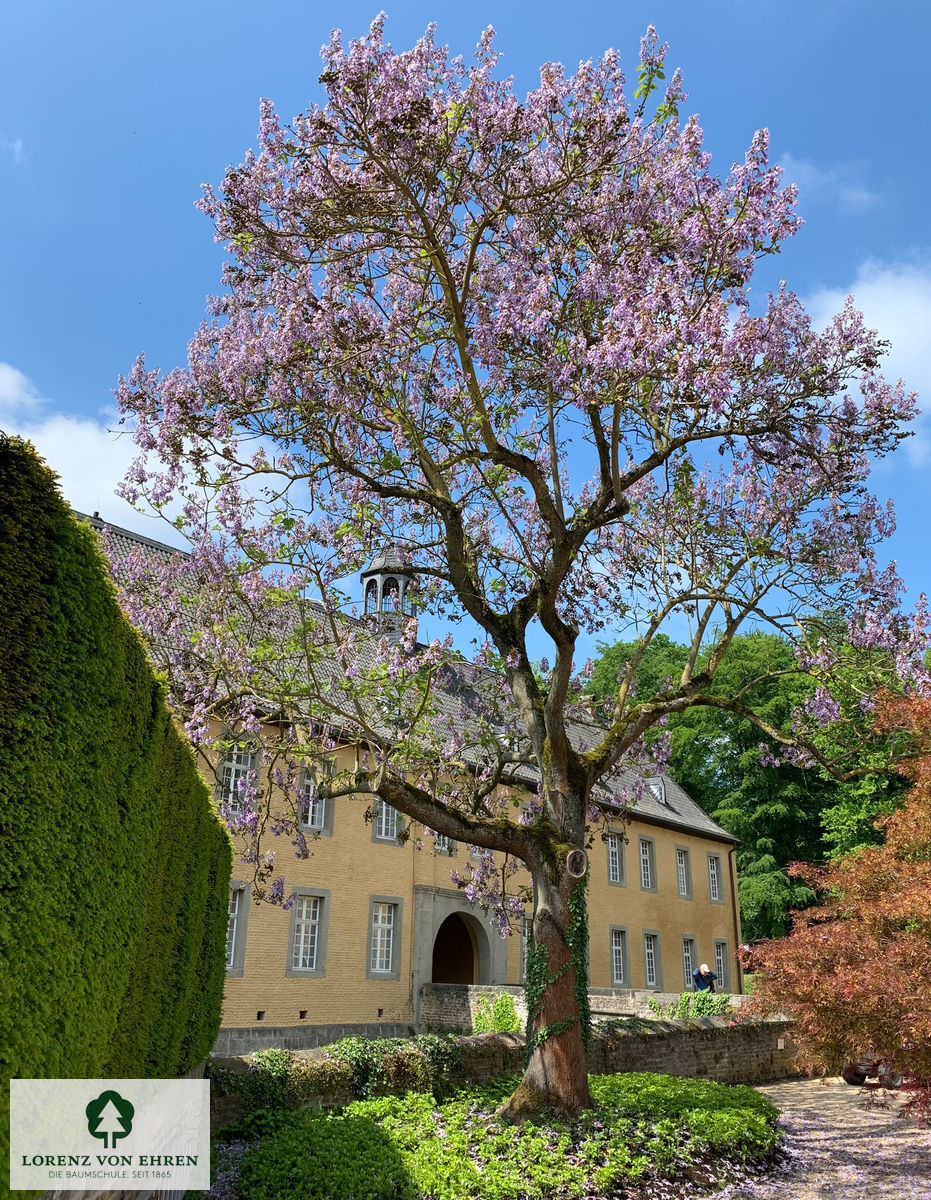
514,339
781,812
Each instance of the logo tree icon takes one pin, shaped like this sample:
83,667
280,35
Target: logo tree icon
109,1116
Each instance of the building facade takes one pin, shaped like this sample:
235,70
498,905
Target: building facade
373,917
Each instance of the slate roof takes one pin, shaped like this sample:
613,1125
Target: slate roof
387,562
465,691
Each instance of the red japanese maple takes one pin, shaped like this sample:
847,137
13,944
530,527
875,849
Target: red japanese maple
855,972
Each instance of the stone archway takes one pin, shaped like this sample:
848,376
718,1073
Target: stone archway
455,957
433,906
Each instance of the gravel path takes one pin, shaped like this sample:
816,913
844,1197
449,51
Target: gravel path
838,1149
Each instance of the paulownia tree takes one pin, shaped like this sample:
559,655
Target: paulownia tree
514,340
855,972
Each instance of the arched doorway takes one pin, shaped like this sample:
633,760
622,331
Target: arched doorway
454,952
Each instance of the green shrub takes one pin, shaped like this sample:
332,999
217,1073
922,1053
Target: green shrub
115,870
411,1147
496,1016
692,1004
354,1068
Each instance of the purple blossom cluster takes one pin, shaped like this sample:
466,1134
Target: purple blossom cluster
512,338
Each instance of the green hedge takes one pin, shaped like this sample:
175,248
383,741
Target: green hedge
114,867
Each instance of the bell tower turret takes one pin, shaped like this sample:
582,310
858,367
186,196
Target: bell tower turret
385,584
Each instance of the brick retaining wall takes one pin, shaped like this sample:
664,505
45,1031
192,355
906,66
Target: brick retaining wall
453,1005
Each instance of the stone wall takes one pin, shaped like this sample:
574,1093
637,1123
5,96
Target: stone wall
717,1048
723,1049
231,1043
453,1005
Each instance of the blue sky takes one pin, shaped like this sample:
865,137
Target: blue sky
111,115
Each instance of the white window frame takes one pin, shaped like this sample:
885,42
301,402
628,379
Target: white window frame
721,964
656,786
652,963
684,872
614,843
386,825
305,935
307,931
689,960
236,765
444,846
383,932
715,879
620,957
237,921
232,920
312,810
646,856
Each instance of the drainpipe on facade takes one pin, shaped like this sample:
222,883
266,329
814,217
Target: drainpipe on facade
734,909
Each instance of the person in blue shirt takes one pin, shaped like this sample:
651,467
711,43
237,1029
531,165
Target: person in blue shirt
703,978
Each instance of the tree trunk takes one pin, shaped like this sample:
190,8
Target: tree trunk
556,1076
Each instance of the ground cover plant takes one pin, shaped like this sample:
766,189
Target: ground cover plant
642,1128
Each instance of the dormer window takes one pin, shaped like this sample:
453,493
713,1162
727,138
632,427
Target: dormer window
657,788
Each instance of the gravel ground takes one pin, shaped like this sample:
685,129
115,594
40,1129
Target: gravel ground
837,1148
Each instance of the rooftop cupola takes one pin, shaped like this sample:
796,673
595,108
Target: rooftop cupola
385,584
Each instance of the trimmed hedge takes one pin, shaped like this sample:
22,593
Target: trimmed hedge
114,868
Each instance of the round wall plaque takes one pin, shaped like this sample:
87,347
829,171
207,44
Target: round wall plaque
576,863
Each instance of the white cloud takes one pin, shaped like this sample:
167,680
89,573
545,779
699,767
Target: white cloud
896,300
17,393
88,457
839,184
13,147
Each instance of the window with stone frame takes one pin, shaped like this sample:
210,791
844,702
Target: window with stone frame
614,843
385,823
715,879
384,919
620,963
305,932
647,854
235,773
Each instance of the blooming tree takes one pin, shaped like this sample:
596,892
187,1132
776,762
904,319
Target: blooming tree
513,339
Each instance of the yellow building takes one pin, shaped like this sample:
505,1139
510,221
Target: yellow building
372,919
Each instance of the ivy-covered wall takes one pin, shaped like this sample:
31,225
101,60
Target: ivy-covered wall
114,867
